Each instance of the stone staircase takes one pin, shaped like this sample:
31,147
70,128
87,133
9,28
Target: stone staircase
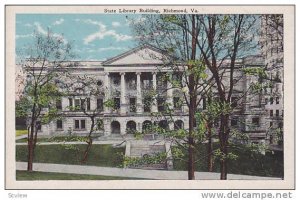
139,149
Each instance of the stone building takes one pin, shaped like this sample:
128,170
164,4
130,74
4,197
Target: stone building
271,41
127,79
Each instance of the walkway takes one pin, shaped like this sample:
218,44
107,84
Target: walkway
133,173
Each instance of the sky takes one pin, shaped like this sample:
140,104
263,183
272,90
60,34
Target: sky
94,36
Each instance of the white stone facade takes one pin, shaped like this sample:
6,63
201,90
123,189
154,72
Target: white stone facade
128,77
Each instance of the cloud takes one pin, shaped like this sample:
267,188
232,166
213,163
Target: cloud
58,22
102,32
115,24
28,25
111,49
24,36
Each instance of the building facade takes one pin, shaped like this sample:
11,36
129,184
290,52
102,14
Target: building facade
272,50
128,79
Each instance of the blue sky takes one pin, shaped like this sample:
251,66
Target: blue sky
94,36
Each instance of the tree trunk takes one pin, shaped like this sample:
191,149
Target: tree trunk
89,142
223,136
209,149
30,147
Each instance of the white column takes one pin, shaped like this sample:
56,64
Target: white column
123,91
154,104
107,92
107,127
170,94
186,92
139,103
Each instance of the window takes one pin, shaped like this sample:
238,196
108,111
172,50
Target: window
79,124
271,113
255,121
277,100
76,124
100,104
271,124
234,102
146,84
88,104
160,104
82,104
132,105
77,104
117,103
70,102
277,113
59,124
147,104
204,103
234,122
271,100
177,103
100,125
38,126
58,104
266,100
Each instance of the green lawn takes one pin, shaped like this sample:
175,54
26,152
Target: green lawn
24,175
247,163
21,132
100,155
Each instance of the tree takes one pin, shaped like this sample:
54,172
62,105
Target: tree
87,88
213,42
44,63
170,33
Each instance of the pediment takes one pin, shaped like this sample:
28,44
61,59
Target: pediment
143,55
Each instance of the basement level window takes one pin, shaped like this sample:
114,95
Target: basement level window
255,121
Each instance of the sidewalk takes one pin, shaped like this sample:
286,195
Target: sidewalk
133,173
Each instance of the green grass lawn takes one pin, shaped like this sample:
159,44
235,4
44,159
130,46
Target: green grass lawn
247,163
100,155
24,176
21,132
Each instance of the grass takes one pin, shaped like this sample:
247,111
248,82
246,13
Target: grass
247,163
21,132
25,175
99,155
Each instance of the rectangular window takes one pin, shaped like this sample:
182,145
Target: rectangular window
80,124
147,104
277,113
160,104
100,104
277,100
266,100
271,124
271,113
77,104
76,124
117,103
59,124
88,104
271,100
58,104
204,103
132,102
38,125
234,122
234,102
70,102
255,121
82,104
100,125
